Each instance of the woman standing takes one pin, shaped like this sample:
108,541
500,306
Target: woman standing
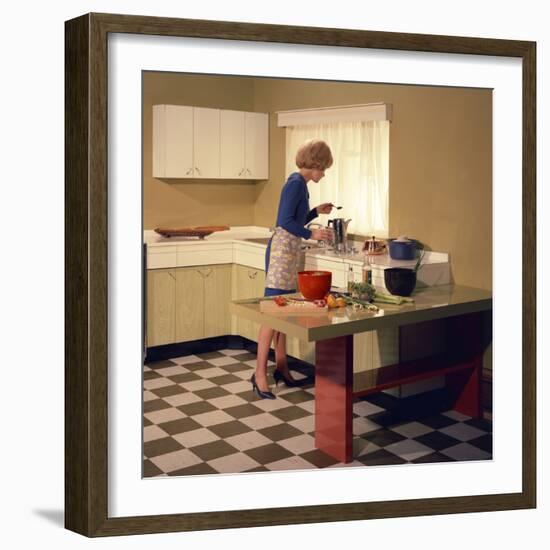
282,254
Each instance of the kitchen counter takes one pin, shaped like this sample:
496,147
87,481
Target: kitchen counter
247,244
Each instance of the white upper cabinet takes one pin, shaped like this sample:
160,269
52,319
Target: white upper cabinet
244,145
256,149
206,140
196,142
172,141
232,144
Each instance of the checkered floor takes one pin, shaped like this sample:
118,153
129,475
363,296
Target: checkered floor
201,417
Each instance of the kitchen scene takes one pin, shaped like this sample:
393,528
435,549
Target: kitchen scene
382,355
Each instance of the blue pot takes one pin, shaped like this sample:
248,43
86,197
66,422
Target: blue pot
402,250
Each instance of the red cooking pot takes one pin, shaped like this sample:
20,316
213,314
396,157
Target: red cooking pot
314,285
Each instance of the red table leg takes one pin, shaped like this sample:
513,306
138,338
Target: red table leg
465,333
334,397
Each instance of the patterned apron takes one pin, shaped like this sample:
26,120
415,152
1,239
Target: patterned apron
282,271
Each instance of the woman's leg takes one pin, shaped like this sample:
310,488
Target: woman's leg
281,363
264,340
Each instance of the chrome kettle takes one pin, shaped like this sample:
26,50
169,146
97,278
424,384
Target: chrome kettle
340,230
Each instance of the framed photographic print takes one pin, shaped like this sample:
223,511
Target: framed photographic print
180,135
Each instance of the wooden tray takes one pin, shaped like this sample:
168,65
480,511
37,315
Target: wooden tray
308,308
200,231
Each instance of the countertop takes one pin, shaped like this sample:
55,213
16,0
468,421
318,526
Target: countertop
429,303
242,234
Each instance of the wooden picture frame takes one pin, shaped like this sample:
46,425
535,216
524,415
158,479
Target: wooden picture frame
86,284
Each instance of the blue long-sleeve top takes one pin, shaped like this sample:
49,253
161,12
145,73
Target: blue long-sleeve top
294,212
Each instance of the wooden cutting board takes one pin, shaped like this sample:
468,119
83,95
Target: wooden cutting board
308,308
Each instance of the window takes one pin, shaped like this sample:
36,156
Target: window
359,178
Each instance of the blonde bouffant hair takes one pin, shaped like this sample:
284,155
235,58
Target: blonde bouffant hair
314,153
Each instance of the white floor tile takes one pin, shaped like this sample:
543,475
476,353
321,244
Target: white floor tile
455,415
238,462
210,373
148,396
409,449
291,463
186,359
157,383
212,418
362,447
232,352
364,408
172,371
227,401
238,387
308,406
247,440
151,433
182,399
412,429
364,425
226,360
195,437
462,432
465,451
195,385
244,375
176,460
305,424
269,405
165,415
260,421
298,444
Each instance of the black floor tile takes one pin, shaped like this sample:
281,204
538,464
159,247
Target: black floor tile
380,457
437,440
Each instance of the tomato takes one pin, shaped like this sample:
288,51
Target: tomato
280,300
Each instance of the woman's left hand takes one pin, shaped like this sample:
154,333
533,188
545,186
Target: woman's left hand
325,208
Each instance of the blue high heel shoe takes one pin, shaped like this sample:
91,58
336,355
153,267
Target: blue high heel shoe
278,376
262,394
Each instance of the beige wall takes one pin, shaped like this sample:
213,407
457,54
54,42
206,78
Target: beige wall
188,202
440,161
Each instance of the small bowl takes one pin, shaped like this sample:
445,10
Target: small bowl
314,285
400,281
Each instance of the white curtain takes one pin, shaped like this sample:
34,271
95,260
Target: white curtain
359,178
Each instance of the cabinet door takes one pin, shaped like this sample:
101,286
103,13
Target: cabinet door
161,299
172,141
256,145
189,304
248,283
232,164
206,140
217,294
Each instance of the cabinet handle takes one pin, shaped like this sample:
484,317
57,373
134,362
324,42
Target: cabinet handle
206,274
249,171
172,275
198,171
189,172
252,275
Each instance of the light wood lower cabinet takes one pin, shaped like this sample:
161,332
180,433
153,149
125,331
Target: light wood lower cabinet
161,306
247,282
187,303
217,294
